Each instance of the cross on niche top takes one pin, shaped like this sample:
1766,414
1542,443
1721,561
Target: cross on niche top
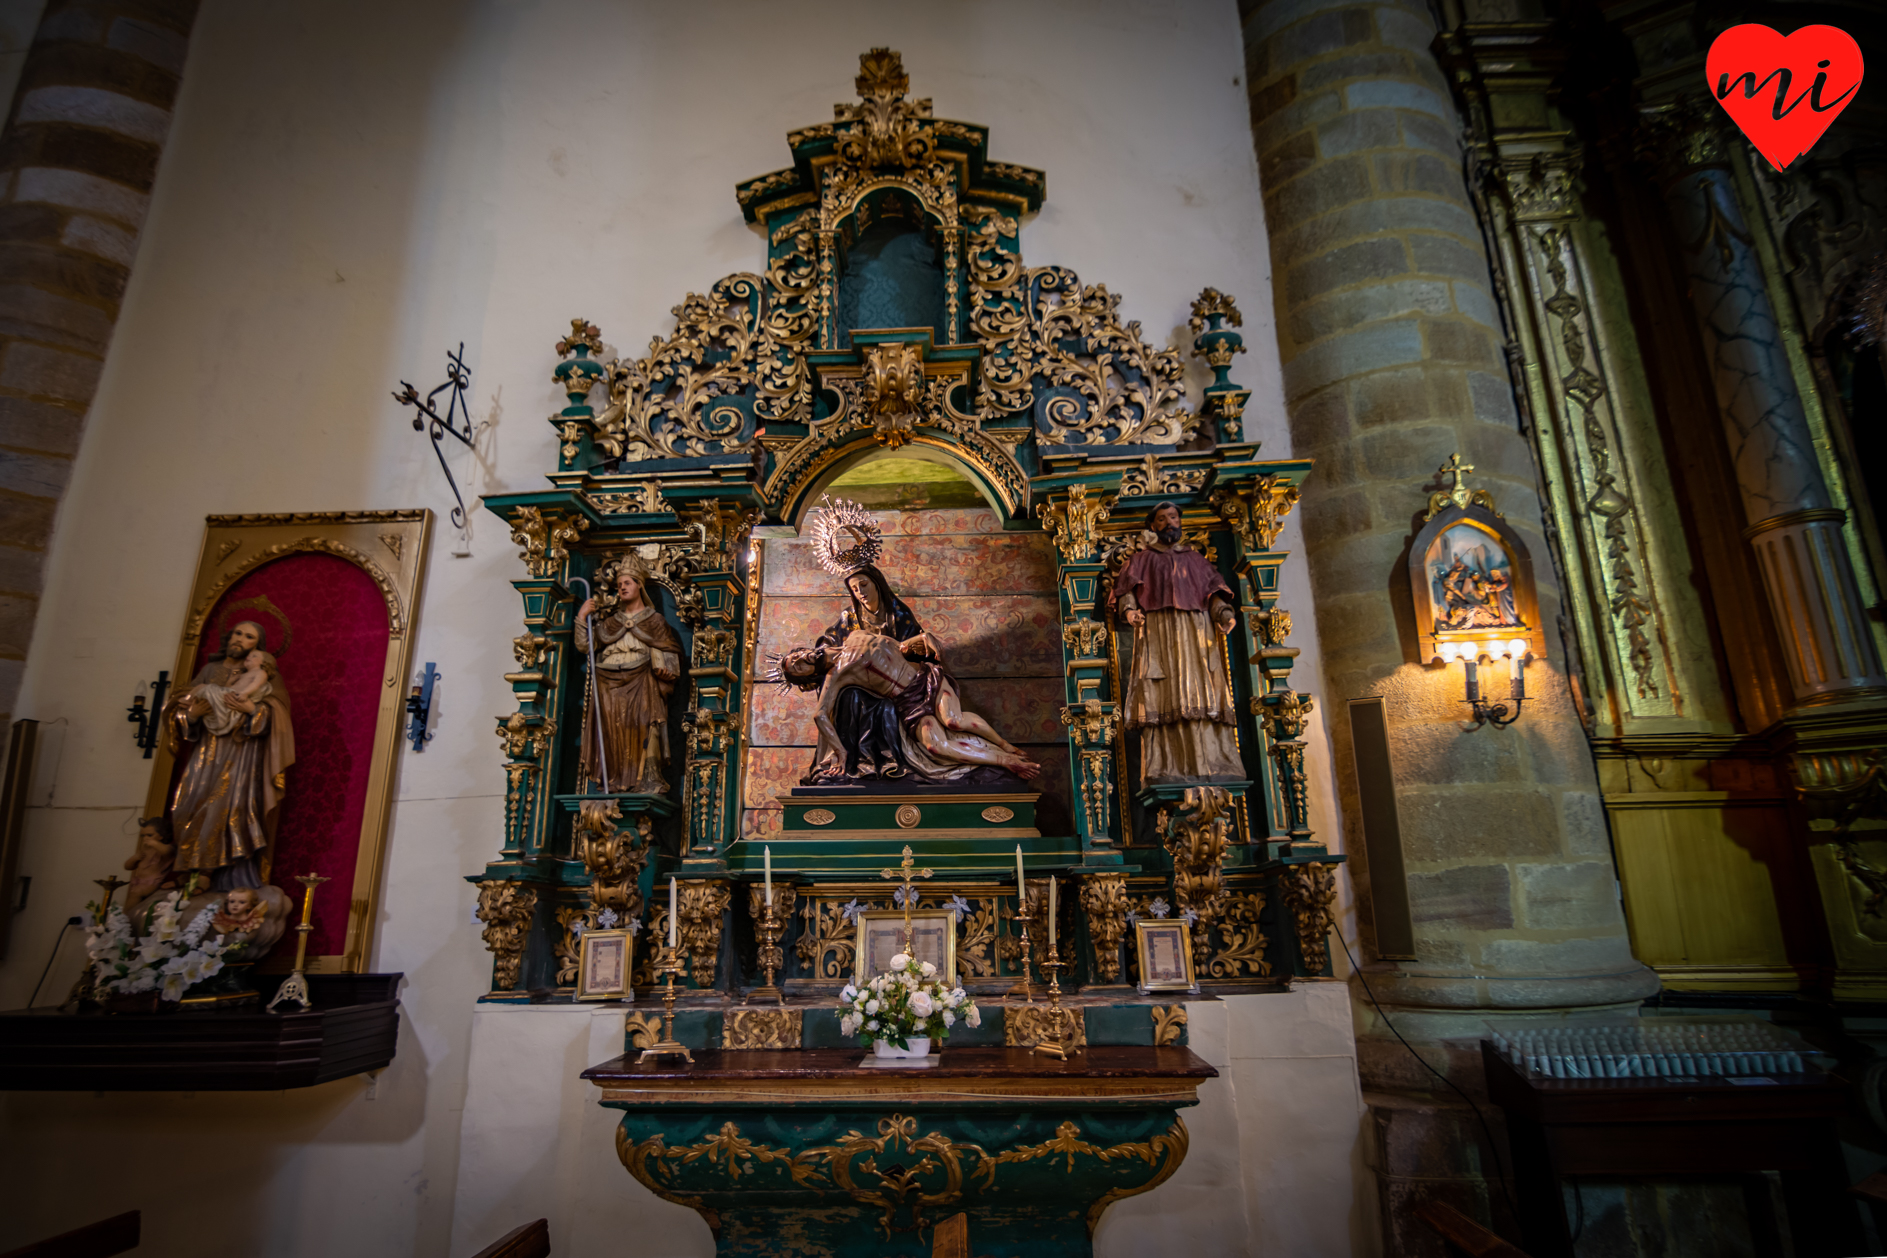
1456,468
906,871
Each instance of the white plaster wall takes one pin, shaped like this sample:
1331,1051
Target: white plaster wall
349,190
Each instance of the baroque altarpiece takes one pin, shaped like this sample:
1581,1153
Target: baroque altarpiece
894,313
708,454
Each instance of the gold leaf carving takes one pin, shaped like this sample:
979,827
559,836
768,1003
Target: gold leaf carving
1168,1022
819,816
1024,1026
506,909
747,1029
996,814
643,1030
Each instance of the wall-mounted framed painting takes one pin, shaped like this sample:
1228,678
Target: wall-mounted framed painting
282,731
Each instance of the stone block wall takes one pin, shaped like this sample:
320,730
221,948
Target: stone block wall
1393,359
77,161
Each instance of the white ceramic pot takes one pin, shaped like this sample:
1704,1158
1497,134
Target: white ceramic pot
919,1047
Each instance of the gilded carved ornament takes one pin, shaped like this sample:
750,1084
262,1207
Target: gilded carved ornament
872,1169
1169,1023
1254,510
506,909
1086,638
1148,478
750,1029
1272,625
520,735
529,650
1074,522
702,902
612,856
545,538
641,1030
1310,891
1196,835
1104,900
1541,187
1605,498
643,499
1242,944
1024,1026
1458,494
884,128
396,620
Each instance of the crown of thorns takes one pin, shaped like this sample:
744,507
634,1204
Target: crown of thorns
845,538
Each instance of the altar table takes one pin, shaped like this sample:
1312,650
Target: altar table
807,1152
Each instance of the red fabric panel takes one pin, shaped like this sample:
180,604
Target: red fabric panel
332,668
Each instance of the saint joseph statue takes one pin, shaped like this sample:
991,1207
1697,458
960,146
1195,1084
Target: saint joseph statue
1177,694
240,745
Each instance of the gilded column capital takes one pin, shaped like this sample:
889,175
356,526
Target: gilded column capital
1542,187
1073,521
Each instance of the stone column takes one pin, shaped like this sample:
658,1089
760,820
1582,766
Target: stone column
1393,360
77,161
1792,523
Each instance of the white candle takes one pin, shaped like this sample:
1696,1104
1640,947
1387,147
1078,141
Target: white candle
1051,912
768,853
671,912
1022,887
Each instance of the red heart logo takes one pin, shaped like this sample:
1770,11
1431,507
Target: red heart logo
1783,91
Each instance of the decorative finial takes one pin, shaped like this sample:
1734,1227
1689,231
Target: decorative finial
1459,496
881,75
1213,302
584,334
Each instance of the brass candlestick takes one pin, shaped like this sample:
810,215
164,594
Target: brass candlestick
1054,1042
295,986
1023,987
769,927
668,961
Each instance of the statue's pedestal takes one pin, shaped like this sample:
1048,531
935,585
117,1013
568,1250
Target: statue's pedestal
808,1151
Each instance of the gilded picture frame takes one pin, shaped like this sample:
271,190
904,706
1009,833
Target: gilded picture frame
605,960
1163,948
881,936
1471,582
390,548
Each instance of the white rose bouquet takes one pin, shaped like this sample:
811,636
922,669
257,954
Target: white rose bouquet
169,959
906,1001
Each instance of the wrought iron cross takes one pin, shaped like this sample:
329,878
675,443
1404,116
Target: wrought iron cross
905,872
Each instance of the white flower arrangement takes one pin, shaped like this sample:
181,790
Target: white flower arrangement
905,1001
169,959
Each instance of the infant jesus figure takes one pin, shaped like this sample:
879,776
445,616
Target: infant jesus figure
230,704
241,914
949,740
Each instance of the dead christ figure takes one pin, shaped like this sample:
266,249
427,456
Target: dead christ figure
929,711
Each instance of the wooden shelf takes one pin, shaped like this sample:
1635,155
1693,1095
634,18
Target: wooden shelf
353,1027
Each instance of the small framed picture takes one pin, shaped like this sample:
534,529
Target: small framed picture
603,965
881,937
1165,952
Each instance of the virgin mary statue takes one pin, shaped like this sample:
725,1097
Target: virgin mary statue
233,725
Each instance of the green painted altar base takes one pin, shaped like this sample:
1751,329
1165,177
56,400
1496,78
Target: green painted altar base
792,1154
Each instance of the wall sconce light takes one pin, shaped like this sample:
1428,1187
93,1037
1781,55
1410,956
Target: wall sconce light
419,708
1469,655
146,718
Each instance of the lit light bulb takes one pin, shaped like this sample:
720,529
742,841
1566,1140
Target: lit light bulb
1447,651
1476,650
1517,647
